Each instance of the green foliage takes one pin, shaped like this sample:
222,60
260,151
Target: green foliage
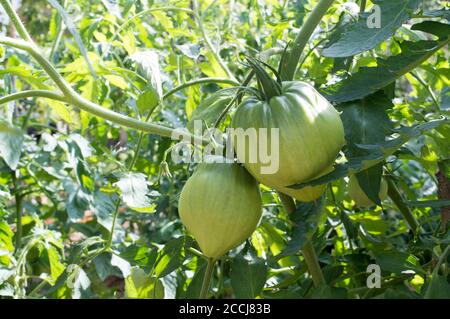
86,213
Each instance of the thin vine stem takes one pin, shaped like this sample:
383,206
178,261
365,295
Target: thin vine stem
119,201
19,208
428,88
199,81
32,93
303,37
199,18
207,278
399,201
308,251
72,97
15,19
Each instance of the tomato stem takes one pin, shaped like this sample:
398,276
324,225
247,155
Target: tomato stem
207,278
302,38
399,201
312,262
308,249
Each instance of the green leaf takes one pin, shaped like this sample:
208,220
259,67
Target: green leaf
134,190
148,66
6,236
306,219
141,256
103,208
77,281
438,288
370,182
362,35
350,228
11,142
140,285
248,276
193,100
371,79
77,201
376,155
441,30
148,100
209,110
195,286
397,262
56,267
172,256
366,121
211,67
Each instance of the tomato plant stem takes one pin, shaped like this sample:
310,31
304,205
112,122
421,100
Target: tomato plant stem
308,249
399,201
19,207
303,36
31,93
362,6
312,262
73,98
20,28
207,278
199,18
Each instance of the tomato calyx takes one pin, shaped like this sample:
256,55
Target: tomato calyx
268,86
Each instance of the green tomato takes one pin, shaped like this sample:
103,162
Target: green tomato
221,206
311,134
357,194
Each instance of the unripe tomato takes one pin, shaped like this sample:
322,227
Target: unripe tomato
221,206
357,194
311,134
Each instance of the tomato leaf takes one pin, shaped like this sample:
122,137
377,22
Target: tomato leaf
378,153
210,108
11,142
248,276
140,285
441,30
371,79
364,34
306,220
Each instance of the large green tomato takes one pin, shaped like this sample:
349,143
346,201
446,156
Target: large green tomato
311,134
221,206
357,194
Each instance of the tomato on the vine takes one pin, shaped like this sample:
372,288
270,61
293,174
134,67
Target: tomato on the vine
221,206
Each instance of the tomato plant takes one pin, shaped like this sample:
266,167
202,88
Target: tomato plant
121,174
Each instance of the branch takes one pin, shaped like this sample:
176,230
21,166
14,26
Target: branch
219,60
72,97
399,201
303,36
309,254
32,93
15,19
